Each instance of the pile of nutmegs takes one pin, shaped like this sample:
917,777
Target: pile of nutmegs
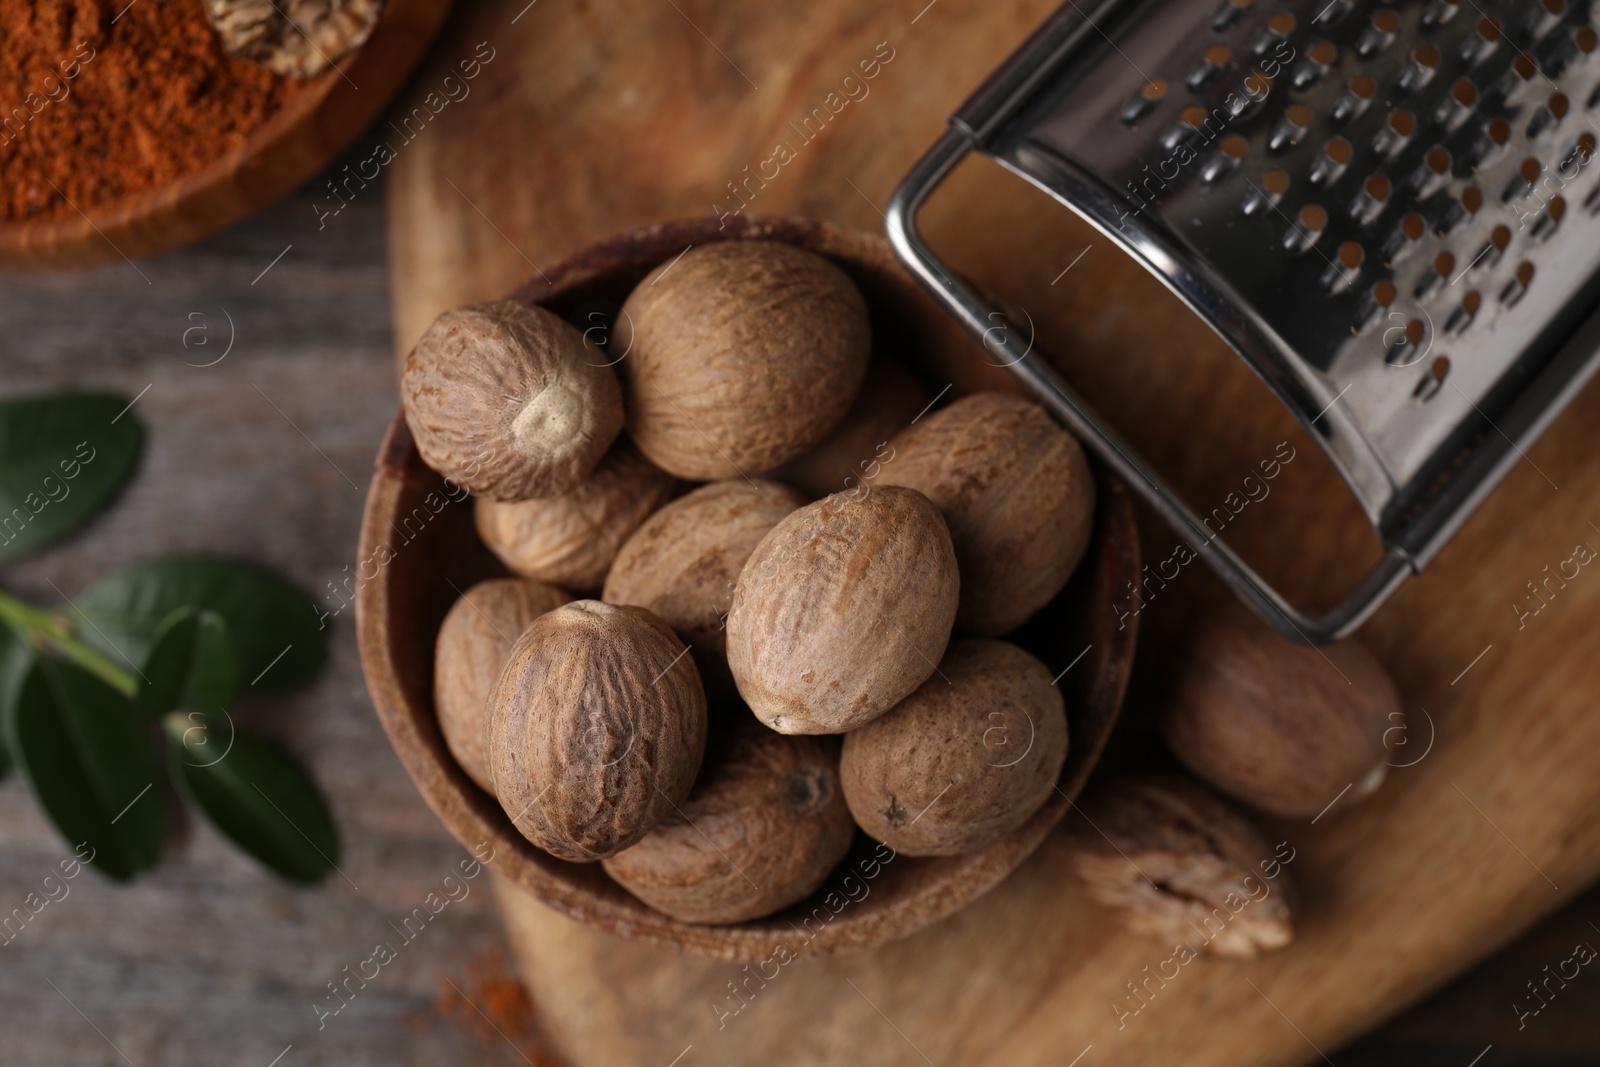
670,728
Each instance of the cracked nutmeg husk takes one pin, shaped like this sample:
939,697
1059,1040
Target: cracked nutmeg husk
1179,864
296,38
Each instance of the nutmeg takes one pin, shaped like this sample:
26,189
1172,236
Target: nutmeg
508,400
473,643
852,455
762,829
842,610
741,355
683,563
1017,494
1181,866
964,760
571,539
1283,727
596,728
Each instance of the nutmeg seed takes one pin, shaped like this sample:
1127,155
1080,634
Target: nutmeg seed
596,728
842,610
1281,726
963,761
473,643
508,400
852,455
741,355
683,563
572,539
762,829
1183,867
1017,494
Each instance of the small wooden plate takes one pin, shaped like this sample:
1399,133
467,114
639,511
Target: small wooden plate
419,551
286,150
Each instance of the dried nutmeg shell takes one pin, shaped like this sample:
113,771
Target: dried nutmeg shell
741,355
1017,494
474,642
762,829
296,38
1183,867
842,610
852,455
510,401
1283,727
571,539
596,728
684,561
966,759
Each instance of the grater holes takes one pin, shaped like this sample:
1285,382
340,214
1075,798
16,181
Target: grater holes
1290,127
1585,40
1433,172
1379,34
1438,272
1549,115
1457,106
1266,195
1499,240
1368,204
1518,286
1525,180
1463,315
1395,133
1432,379
1518,78
1304,234
1492,141
1274,33
1406,238
1210,65
1230,151
1594,99
1345,267
1550,219
1461,209
1335,157
1420,68
1357,95
1439,12
1144,101
1405,342
1483,41
1333,14
1320,58
1229,13
1546,17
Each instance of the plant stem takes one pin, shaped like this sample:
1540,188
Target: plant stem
51,631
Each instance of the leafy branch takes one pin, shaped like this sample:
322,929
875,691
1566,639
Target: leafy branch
151,655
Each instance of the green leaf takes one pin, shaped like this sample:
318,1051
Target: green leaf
15,659
278,641
189,667
62,458
89,764
255,794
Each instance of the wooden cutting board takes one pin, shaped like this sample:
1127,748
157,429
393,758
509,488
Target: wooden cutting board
606,116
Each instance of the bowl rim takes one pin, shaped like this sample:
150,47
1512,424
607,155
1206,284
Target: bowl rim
476,820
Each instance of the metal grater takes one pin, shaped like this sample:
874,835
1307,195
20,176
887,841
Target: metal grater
1389,210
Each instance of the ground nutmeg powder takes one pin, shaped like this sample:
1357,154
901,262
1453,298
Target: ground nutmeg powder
99,101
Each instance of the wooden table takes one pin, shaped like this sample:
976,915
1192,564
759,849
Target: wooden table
266,456
208,960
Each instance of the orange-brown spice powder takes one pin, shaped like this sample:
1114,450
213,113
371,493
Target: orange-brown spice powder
101,101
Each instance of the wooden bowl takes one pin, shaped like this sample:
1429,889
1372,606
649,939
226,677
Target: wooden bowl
418,553
292,146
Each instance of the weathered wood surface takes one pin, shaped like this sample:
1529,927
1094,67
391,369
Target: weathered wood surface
616,115
266,456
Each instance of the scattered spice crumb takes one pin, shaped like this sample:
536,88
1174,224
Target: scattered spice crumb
490,1003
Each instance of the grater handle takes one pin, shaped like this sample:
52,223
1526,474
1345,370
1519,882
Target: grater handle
1047,384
